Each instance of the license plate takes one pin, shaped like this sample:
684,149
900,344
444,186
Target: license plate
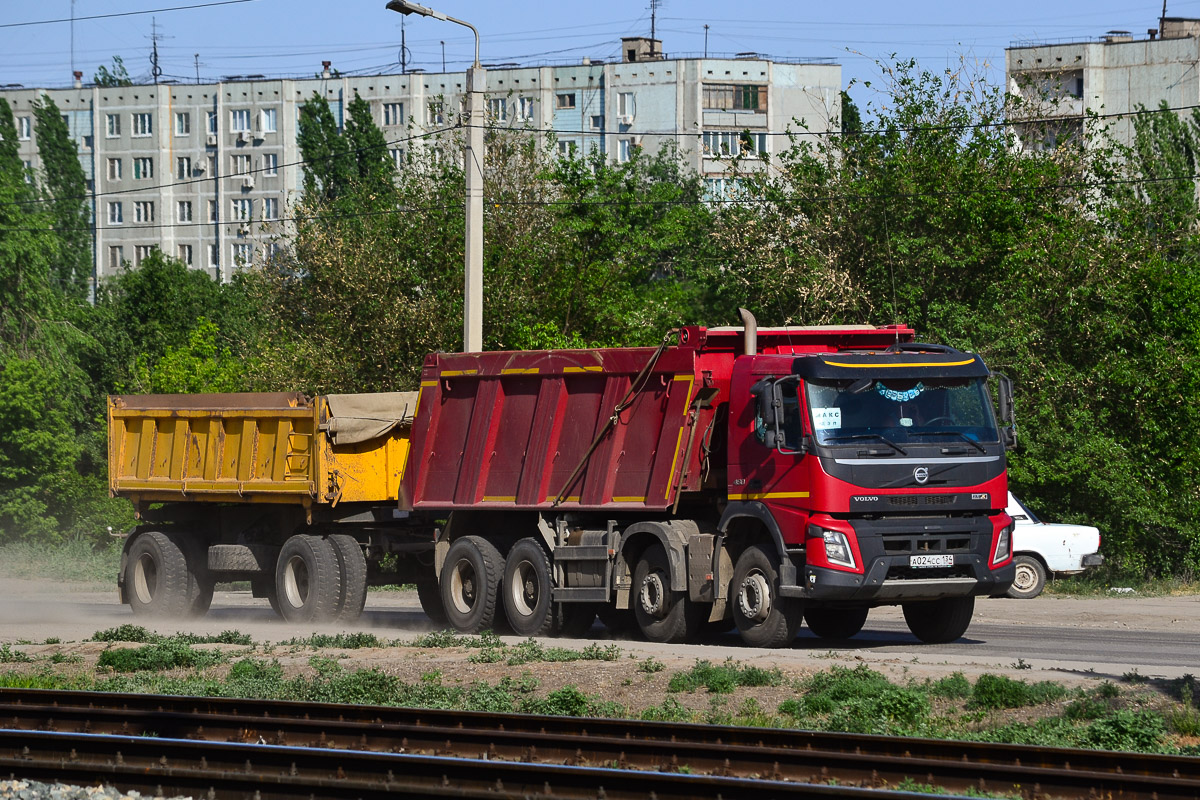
931,561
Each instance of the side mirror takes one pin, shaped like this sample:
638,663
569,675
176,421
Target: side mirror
766,426
1007,412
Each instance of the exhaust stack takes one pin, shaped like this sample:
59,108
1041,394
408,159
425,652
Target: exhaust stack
750,343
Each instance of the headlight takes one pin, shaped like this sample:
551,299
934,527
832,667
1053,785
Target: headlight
1003,545
837,548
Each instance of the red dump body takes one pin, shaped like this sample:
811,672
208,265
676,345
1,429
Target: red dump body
532,430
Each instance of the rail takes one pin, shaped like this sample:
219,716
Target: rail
197,744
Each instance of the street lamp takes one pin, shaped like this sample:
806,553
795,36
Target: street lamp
473,156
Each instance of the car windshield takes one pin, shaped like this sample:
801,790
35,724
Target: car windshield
901,411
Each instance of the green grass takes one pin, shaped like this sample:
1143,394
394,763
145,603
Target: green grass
722,678
342,641
75,561
1101,583
531,651
157,657
136,633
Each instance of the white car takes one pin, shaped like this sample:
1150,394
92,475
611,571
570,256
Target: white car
1043,547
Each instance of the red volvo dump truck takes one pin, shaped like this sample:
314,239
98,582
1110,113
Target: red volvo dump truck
730,477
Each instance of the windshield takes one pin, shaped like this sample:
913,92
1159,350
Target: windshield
905,411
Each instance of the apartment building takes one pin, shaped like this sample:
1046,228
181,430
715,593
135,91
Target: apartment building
1110,75
206,172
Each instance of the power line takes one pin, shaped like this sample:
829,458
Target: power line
123,14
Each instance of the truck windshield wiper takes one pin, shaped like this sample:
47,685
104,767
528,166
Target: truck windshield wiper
959,434
879,436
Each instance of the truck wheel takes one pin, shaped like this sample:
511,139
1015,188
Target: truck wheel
835,623
431,600
763,618
939,621
1029,578
528,590
353,567
470,581
308,582
662,615
157,576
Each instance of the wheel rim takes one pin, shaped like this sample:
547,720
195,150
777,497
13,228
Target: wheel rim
462,586
754,597
1024,579
145,578
524,589
652,594
296,582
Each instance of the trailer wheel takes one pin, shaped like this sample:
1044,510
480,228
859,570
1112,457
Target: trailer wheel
430,596
835,623
528,589
763,618
1029,578
470,581
662,615
159,582
939,621
353,567
308,583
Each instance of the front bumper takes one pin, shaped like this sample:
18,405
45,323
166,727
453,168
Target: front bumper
886,547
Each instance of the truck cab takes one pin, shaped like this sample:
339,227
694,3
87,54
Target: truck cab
881,471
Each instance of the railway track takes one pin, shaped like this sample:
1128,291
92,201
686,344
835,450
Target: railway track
236,747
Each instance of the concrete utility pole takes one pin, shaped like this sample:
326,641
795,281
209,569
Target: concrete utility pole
473,156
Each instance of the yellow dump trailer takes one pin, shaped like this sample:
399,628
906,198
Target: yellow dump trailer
298,495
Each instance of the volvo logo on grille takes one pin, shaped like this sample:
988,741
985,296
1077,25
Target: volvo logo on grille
921,474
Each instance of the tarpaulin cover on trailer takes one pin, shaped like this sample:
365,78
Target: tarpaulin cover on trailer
355,418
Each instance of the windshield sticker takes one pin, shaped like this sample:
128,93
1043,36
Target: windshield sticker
900,397
827,419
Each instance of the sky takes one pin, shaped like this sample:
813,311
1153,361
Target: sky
290,38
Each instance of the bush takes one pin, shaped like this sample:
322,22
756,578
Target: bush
157,657
999,691
722,679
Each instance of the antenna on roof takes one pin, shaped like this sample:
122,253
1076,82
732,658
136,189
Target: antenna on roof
155,70
654,5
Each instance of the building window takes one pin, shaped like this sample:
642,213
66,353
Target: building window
241,165
525,106
115,215
214,255
437,113
625,106
116,257
566,147
212,122
114,169
143,251
397,154
625,149
735,97
564,100
183,167
28,168
143,168
498,109
24,128
239,120
242,253
113,128
212,210
267,120
183,123
393,113
242,208
185,253
597,121
270,164
731,143
143,211
143,124
270,208
185,210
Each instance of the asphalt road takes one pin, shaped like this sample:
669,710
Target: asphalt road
1086,637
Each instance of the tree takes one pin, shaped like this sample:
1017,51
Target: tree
64,185
117,76
374,170
12,171
329,165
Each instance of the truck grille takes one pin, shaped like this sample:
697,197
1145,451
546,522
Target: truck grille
926,544
922,500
